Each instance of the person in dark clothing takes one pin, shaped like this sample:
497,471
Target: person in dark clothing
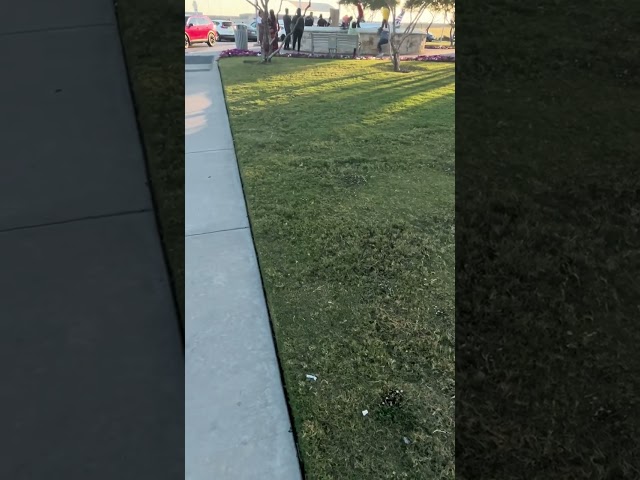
298,28
287,28
353,30
384,39
322,22
308,21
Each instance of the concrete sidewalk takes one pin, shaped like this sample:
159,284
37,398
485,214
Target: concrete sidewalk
237,425
90,350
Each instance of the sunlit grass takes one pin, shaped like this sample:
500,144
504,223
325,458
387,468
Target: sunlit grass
348,173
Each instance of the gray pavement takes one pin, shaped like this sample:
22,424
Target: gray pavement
90,349
237,425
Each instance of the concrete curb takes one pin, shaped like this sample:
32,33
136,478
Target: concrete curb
237,422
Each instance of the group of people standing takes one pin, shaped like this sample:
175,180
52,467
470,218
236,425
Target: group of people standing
294,27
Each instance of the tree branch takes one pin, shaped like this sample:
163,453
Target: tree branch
412,24
431,22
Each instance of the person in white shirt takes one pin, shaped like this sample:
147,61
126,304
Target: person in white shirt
259,23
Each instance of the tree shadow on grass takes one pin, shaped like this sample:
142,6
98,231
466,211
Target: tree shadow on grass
348,156
379,118
235,77
298,86
407,66
257,71
359,102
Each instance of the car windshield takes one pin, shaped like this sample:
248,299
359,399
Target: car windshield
227,24
186,19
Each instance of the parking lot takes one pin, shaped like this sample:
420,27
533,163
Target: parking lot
204,49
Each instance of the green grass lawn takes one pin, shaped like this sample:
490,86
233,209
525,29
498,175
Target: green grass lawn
348,171
158,82
548,233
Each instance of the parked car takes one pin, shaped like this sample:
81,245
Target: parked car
254,27
252,32
430,37
224,28
199,29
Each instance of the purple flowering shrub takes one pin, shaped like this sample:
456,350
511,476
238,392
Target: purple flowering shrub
432,58
420,58
236,52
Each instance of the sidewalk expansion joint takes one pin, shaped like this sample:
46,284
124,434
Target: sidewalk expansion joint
57,29
212,150
76,220
216,231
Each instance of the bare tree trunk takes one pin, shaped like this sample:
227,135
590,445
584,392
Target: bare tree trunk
395,56
266,35
430,23
396,40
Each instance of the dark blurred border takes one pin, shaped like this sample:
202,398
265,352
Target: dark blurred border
548,247
150,31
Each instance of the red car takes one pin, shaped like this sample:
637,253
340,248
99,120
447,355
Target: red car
199,29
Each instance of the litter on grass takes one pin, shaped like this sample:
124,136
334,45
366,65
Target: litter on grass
365,413
311,377
393,399
406,440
